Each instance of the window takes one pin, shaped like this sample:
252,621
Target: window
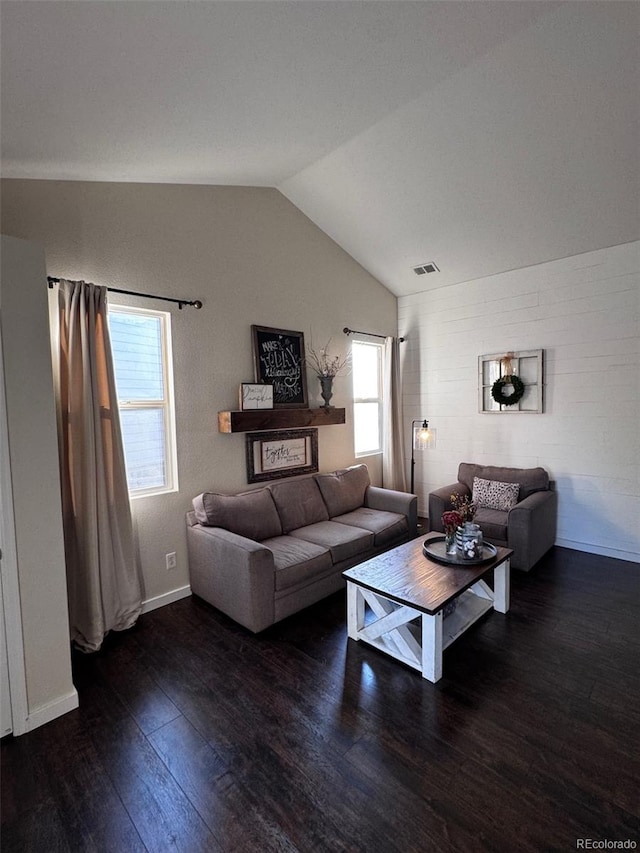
367,397
141,346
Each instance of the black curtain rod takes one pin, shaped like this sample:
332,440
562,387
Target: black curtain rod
349,331
181,302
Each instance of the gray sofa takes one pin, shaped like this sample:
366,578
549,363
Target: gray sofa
262,555
529,527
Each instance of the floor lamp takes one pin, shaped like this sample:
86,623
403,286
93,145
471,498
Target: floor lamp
422,438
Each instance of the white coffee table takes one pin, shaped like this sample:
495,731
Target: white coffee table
395,602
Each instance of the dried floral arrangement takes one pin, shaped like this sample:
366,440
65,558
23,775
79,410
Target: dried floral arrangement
324,364
464,506
451,521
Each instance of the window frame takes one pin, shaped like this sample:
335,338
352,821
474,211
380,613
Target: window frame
379,399
167,404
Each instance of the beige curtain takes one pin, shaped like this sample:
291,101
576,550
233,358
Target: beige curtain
393,464
103,579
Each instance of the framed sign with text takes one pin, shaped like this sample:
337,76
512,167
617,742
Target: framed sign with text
279,360
254,396
281,453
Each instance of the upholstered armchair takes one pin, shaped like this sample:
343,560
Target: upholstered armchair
523,519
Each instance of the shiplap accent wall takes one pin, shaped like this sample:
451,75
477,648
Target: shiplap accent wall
584,312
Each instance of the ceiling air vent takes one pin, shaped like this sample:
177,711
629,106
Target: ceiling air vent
425,268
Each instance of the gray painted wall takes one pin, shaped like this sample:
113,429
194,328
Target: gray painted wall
33,450
252,257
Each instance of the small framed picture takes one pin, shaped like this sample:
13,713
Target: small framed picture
281,453
256,396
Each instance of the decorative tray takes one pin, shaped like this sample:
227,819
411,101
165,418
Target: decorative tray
435,550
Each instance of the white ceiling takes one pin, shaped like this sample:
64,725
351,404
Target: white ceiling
483,136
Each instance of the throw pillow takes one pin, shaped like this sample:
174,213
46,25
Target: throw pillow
250,514
492,494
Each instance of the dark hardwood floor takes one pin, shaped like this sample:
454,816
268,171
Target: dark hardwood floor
194,735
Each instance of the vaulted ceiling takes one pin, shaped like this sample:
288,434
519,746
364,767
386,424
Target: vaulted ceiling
482,136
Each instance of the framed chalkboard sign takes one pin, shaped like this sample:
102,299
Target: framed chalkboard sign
279,360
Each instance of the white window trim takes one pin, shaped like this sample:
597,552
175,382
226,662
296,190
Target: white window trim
378,399
167,405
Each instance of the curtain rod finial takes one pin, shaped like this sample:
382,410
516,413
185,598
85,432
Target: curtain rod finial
197,304
347,330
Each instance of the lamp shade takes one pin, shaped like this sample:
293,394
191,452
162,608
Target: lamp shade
423,436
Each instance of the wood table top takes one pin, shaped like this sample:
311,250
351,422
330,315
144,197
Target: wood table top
407,576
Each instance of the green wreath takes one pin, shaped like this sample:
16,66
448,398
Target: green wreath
504,399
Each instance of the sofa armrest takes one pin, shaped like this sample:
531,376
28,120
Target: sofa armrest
440,501
532,528
389,500
234,574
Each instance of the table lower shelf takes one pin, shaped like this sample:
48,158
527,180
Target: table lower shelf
415,638
470,607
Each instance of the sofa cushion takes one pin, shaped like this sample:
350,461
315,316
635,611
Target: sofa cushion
299,503
493,523
385,526
251,514
492,494
344,490
342,540
530,479
297,561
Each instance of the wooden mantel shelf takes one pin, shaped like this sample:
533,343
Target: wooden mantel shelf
259,419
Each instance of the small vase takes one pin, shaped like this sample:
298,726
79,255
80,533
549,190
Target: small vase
327,390
450,543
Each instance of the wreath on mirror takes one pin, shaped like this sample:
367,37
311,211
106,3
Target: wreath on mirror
497,390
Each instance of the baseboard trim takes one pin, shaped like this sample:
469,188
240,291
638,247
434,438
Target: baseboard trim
52,710
166,598
588,548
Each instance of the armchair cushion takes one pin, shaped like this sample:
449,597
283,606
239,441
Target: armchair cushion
493,523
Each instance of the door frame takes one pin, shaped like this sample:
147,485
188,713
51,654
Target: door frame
9,575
